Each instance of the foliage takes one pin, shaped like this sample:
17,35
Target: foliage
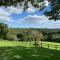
40,34
20,37
3,30
55,10
30,35
20,2
11,37
37,36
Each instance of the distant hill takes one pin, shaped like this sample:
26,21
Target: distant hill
20,30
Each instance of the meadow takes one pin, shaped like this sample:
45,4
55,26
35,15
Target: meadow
15,50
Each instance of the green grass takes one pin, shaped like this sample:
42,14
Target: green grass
10,50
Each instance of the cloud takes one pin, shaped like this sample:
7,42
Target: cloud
46,2
16,10
5,13
41,22
35,19
31,8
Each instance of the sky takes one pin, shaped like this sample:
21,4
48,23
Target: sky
16,17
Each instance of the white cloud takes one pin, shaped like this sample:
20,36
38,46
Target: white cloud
46,2
31,8
40,22
16,10
5,13
35,19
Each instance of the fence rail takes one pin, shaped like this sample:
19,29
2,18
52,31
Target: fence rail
41,44
47,45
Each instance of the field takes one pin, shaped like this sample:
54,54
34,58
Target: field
14,50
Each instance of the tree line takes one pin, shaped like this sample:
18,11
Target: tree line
29,34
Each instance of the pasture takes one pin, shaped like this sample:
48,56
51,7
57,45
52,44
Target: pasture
15,50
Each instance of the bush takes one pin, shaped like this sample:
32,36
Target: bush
11,37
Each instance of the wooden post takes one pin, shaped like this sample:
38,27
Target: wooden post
56,47
41,43
48,45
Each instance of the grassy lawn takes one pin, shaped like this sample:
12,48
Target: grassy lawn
10,50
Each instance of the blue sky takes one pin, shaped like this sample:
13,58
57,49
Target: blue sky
31,18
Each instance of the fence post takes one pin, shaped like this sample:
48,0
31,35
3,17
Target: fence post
41,43
56,47
48,45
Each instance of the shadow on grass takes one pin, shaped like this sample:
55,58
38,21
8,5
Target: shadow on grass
31,53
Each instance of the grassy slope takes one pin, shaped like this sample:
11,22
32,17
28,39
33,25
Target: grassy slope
10,50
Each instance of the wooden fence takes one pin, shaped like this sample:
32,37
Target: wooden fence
47,45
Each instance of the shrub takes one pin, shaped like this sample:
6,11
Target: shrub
11,37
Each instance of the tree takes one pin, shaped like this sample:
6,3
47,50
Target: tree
11,37
15,2
3,30
55,10
49,36
20,36
37,36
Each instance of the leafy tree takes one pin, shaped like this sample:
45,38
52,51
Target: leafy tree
55,10
20,36
56,38
37,36
15,2
11,37
3,30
